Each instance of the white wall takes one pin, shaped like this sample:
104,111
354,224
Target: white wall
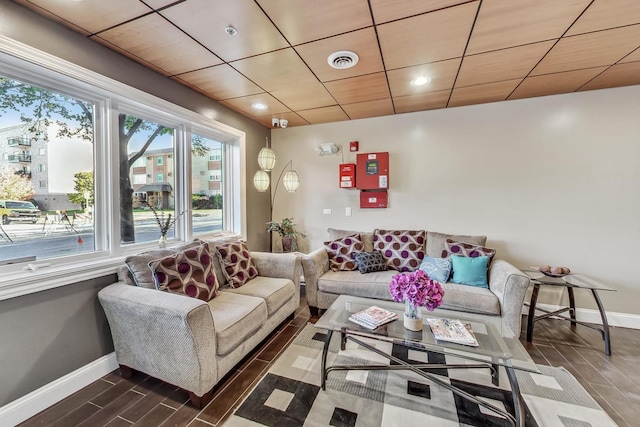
552,180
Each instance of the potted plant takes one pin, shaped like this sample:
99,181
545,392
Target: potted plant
287,233
417,290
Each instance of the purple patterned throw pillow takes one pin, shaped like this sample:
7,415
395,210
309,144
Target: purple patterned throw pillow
402,249
188,273
342,252
452,247
237,263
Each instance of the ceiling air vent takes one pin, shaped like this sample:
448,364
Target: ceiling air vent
343,59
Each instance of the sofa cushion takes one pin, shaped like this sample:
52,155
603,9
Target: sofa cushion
188,272
470,298
237,263
342,252
436,241
139,266
366,237
471,271
276,292
402,249
221,277
438,269
464,249
369,262
236,317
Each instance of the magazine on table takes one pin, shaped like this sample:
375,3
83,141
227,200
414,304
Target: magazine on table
373,317
453,330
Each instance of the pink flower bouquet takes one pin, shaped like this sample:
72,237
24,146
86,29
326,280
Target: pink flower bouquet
416,289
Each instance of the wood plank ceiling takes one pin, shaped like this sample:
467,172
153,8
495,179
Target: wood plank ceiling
473,51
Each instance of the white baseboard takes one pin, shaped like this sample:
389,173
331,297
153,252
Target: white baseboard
27,406
623,320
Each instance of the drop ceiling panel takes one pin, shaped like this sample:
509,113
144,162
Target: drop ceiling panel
324,115
632,57
363,42
157,4
221,82
305,97
276,70
491,92
603,14
442,76
53,17
499,65
502,24
590,50
245,103
390,10
419,40
93,15
359,89
206,21
618,75
304,21
293,118
555,83
361,110
130,55
422,101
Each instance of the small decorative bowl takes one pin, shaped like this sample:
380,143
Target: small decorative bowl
550,274
548,271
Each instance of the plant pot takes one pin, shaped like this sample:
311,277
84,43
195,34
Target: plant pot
162,242
412,316
287,244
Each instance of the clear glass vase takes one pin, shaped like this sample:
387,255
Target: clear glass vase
162,242
412,316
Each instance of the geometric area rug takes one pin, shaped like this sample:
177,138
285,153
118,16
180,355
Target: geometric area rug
290,394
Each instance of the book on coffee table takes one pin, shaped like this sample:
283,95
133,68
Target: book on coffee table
373,317
452,330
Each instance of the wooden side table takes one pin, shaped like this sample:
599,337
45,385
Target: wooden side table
571,282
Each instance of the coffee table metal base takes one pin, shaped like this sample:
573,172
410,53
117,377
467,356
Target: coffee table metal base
518,403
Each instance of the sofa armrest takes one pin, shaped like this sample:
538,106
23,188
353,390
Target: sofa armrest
510,286
314,265
280,265
155,331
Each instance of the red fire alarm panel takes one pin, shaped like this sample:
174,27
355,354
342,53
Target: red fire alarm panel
354,146
372,171
348,175
373,199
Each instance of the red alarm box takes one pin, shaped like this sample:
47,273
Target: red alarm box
373,199
348,175
354,146
372,171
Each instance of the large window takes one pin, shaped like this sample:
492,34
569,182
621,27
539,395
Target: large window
90,160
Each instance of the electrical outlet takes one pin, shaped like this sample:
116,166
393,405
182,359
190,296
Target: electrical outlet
347,211
326,212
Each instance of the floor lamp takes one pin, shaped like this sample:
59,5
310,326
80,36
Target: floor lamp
262,179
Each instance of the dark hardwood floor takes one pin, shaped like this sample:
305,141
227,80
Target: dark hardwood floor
145,401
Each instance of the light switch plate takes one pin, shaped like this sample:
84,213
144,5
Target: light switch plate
326,212
347,211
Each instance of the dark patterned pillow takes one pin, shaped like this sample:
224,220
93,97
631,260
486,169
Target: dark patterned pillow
237,263
368,262
188,272
452,247
342,252
402,249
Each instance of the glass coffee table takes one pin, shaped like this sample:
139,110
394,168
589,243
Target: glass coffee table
498,346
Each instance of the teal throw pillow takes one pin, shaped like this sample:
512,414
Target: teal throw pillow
438,269
470,271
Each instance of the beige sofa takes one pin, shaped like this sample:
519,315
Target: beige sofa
191,343
504,297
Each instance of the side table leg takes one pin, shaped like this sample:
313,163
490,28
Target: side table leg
572,305
518,404
323,366
605,323
532,311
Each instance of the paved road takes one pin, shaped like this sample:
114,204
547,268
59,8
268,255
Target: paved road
60,240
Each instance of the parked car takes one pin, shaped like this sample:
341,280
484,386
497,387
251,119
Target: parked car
18,211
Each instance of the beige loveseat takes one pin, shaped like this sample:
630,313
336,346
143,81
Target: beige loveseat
191,343
504,297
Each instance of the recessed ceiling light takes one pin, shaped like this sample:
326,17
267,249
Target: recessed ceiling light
343,59
259,106
420,81
231,31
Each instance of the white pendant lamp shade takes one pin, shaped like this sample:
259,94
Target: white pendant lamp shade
261,181
291,181
266,159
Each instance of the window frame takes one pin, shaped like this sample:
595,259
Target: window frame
41,69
